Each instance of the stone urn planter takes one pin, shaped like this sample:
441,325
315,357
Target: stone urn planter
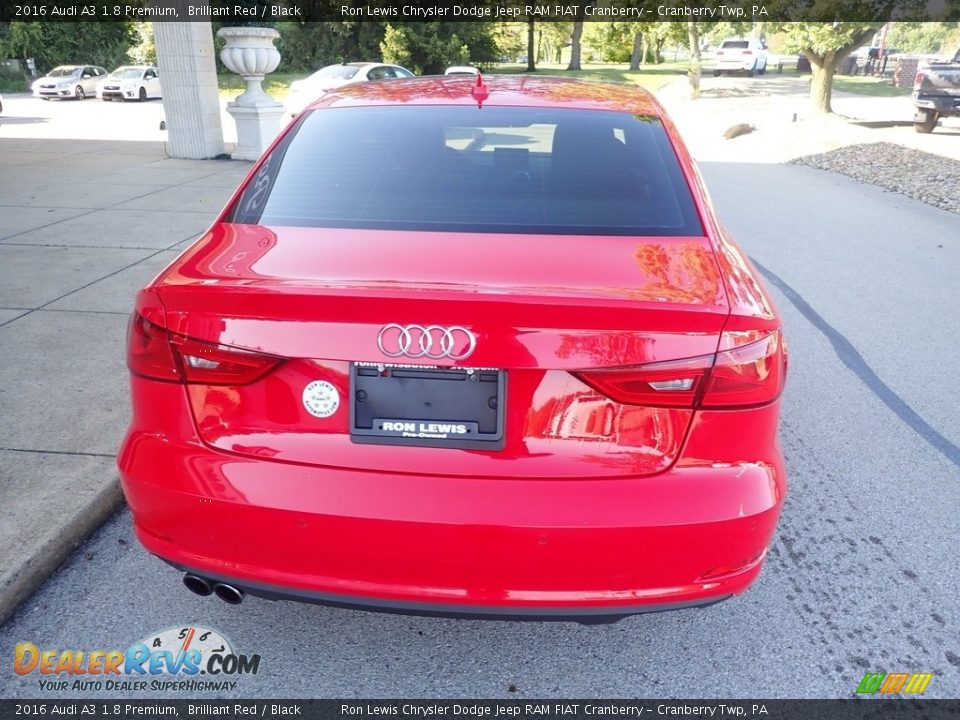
249,52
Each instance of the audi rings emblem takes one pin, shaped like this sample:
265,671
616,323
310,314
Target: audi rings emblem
433,342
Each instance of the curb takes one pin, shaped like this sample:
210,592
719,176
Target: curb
38,561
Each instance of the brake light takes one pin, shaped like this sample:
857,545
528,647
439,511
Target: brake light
748,52
667,384
918,80
719,53
156,353
747,376
148,350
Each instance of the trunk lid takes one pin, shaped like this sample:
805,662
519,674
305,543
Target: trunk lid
539,306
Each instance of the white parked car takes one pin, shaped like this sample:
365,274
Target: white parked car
461,70
303,92
739,55
69,81
130,82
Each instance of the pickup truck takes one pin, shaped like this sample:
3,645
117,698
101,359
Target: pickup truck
936,93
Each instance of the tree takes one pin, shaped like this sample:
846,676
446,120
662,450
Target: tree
531,46
428,47
693,34
575,41
924,37
56,43
143,51
826,45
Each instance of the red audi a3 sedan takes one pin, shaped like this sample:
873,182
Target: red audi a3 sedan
462,348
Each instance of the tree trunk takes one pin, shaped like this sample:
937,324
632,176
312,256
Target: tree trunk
821,84
531,46
575,44
637,51
694,73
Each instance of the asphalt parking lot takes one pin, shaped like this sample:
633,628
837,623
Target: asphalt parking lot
862,575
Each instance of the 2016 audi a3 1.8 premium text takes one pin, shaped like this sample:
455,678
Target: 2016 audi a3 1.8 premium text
462,346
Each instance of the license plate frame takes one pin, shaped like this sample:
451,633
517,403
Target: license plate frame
427,406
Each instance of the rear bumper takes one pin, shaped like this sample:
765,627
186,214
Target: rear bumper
942,104
736,65
450,545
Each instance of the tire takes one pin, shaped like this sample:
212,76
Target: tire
752,71
78,93
928,123
143,94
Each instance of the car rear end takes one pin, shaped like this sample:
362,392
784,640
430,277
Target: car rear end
936,90
442,359
735,56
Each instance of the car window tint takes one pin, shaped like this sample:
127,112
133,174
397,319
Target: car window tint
733,44
516,170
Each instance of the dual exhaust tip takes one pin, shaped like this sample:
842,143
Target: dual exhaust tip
203,587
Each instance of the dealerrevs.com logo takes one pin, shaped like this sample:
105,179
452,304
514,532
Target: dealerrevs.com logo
186,659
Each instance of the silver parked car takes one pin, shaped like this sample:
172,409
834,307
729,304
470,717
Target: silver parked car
69,81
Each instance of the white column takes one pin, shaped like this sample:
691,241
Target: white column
191,98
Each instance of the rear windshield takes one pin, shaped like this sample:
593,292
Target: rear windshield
735,44
464,169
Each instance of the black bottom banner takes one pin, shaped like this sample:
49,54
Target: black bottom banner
893,709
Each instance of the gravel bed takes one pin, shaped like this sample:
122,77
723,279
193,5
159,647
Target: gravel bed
932,179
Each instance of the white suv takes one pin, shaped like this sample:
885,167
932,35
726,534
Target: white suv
738,55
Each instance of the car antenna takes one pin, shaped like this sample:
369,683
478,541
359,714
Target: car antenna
480,91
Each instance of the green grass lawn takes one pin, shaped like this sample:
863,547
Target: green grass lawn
277,84
862,85
651,77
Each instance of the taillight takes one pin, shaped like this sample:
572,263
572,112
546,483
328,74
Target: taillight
158,354
666,384
748,52
746,376
918,80
719,53
148,350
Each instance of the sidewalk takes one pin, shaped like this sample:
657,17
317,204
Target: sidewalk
83,225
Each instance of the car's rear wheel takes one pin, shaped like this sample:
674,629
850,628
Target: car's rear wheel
78,93
927,122
143,94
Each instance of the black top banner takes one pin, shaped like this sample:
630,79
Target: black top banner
401,11
521,709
